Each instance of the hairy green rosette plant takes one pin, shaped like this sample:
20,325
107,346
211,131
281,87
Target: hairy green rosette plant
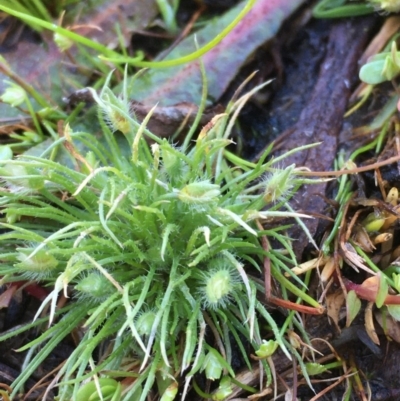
156,249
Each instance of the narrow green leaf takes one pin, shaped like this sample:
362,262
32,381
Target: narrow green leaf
353,306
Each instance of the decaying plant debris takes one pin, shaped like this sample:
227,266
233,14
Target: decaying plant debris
322,118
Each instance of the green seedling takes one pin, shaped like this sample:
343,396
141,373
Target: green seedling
168,9
353,306
394,311
170,392
102,389
212,366
344,8
267,349
341,9
224,390
381,67
396,280
5,152
373,222
314,368
14,95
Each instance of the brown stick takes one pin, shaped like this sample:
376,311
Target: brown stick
322,118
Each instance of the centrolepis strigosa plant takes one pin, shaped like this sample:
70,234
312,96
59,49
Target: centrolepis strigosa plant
156,250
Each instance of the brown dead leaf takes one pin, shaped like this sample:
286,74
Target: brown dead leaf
350,255
334,304
289,396
396,254
378,203
309,265
393,196
328,269
362,239
369,324
365,202
10,128
371,283
389,325
264,393
6,296
381,238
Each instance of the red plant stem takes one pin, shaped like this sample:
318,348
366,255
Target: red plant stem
266,263
297,307
34,289
369,294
